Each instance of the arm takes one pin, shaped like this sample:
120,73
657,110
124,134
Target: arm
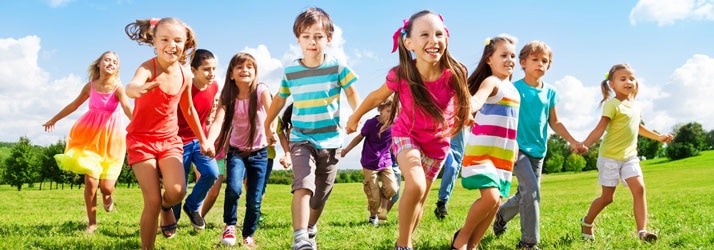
666,138
124,101
140,84
189,112
489,87
352,96
71,107
597,132
217,122
267,101
352,144
286,161
370,102
275,106
560,129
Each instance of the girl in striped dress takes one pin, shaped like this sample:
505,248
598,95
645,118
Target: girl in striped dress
491,149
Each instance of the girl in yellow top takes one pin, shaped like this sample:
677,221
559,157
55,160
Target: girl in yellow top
617,158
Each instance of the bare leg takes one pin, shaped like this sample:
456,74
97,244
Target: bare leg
414,191
597,206
90,201
478,219
107,188
301,211
637,187
147,175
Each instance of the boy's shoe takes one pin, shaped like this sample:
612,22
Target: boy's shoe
312,232
229,235
249,242
303,245
647,236
500,225
196,220
441,212
525,246
374,220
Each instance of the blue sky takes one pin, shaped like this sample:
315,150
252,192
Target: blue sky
46,47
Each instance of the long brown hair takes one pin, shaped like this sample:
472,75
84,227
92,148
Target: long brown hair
228,99
423,100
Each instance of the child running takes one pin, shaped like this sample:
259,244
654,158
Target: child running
376,161
96,143
203,91
315,82
239,128
617,159
536,112
491,149
434,100
155,150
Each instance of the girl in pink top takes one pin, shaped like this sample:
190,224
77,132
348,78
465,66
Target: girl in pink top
96,143
154,147
239,118
431,89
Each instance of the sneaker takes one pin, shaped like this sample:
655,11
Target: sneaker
196,220
499,226
441,212
303,245
647,236
525,246
312,232
229,235
249,242
374,220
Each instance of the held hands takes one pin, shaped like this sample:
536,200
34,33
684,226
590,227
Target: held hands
271,136
579,148
208,149
351,125
667,138
286,161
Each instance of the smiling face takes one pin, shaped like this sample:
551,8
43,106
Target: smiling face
108,64
427,38
624,84
206,72
169,41
243,73
503,60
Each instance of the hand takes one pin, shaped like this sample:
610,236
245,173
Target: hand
49,126
286,161
351,125
141,90
666,138
579,148
270,135
208,149
470,121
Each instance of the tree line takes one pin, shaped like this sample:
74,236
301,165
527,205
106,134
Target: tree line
23,163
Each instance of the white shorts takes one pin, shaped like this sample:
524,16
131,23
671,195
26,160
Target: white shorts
611,171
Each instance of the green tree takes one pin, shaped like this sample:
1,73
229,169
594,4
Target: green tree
710,140
591,156
49,169
559,148
648,148
21,166
554,164
689,140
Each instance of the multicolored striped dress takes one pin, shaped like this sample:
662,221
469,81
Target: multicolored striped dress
96,145
492,148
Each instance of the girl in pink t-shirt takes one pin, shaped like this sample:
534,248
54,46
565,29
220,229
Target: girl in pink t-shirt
239,118
434,99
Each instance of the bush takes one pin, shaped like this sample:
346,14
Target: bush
677,150
574,163
553,164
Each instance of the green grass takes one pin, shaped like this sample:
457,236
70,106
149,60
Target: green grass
679,193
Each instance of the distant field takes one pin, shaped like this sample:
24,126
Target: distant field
679,198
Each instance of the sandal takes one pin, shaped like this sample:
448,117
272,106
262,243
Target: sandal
588,237
454,240
169,231
109,207
647,236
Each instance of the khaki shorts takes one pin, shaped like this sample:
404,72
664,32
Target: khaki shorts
315,170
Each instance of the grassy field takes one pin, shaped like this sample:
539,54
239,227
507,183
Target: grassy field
679,199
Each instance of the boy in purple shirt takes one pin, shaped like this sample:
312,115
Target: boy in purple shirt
376,161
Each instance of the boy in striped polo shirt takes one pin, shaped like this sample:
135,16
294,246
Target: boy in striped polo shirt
315,82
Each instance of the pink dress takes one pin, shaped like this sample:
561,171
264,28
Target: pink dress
96,145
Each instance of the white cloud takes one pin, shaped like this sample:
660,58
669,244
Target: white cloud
667,12
690,90
578,106
270,70
28,97
58,3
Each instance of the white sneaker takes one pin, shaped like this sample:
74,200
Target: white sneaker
229,235
303,245
374,220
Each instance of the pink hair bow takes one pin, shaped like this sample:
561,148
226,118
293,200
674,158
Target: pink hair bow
400,32
154,21
447,30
